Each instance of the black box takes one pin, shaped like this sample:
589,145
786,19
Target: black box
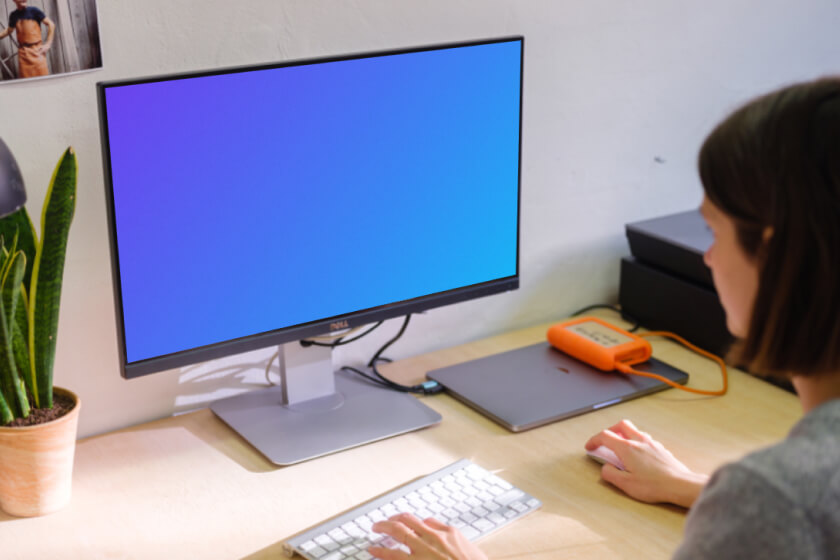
674,243
667,286
663,301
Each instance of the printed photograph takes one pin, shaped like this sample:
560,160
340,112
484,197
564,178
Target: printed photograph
45,38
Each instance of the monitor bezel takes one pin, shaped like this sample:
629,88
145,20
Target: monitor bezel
313,328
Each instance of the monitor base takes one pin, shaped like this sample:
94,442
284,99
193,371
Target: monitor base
289,434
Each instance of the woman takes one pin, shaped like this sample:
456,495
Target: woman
771,176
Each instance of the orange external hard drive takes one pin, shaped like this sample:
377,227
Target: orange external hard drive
598,343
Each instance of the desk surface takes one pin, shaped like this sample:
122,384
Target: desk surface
189,487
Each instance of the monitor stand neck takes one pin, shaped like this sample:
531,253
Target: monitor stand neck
307,378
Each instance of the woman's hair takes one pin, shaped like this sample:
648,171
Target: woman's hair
775,163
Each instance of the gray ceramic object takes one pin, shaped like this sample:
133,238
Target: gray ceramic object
12,193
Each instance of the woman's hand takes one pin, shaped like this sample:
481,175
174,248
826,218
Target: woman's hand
427,540
652,474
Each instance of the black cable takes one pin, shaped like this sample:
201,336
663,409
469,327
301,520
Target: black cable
625,316
375,358
339,341
370,378
427,388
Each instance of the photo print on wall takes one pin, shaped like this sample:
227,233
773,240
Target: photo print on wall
47,38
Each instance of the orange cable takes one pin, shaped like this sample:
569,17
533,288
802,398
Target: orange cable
624,368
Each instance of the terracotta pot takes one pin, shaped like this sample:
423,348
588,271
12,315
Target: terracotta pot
36,464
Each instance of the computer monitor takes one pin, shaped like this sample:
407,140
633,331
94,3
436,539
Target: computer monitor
261,205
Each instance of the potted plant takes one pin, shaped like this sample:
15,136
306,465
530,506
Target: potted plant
37,422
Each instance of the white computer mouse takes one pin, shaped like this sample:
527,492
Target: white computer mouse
604,454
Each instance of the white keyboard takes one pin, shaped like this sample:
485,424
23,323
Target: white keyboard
463,495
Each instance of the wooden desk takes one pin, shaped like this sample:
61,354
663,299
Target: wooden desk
189,487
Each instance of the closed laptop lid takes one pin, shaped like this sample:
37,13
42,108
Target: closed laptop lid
536,385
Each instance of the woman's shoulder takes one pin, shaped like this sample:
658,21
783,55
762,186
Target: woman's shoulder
803,466
782,501
779,502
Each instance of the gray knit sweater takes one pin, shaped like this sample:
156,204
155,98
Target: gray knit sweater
781,502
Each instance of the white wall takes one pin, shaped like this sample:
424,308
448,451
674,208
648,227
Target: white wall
618,97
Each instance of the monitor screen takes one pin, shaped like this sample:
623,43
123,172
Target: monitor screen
252,206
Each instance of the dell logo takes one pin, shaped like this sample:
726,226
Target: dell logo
338,325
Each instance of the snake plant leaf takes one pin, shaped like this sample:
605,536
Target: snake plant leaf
6,415
6,382
47,272
20,336
18,224
20,325
9,289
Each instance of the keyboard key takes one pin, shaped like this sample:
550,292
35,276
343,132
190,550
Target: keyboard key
447,502
468,517
518,506
496,490
476,473
406,508
339,536
483,525
491,505
451,513
499,482
496,518
480,511
509,496
430,498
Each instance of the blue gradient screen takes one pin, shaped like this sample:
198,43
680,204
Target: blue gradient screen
250,201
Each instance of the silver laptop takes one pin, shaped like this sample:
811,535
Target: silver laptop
536,385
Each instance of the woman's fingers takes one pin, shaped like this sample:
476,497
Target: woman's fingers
609,439
428,539
628,430
435,524
413,523
402,528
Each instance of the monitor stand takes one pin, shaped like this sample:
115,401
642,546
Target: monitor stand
316,410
